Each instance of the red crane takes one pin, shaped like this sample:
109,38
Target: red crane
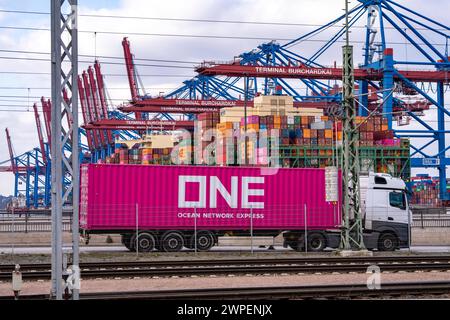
90,109
39,131
86,118
46,111
200,106
302,72
131,72
130,69
13,168
95,104
101,94
11,153
117,124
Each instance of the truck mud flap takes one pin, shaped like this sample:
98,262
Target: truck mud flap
333,240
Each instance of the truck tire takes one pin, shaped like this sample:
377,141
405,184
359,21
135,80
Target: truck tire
316,242
296,242
172,241
205,241
387,242
146,242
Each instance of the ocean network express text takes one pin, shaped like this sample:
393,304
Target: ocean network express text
215,215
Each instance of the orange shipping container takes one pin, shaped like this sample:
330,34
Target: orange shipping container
304,120
306,133
253,126
328,134
276,119
146,151
224,126
359,119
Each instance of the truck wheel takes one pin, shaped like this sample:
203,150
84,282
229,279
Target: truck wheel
387,242
205,241
172,242
316,242
146,242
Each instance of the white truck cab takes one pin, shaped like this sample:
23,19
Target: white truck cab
386,218
386,212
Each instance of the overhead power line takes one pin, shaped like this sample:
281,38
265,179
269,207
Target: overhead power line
202,36
104,62
269,23
101,56
105,74
48,88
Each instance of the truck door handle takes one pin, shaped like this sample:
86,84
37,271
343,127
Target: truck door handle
390,219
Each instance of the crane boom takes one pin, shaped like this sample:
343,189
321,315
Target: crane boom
90,110
95,104
130,69
101,93
131,72
117,124
39,131
200,106
302,72
10,149
46,111
84,112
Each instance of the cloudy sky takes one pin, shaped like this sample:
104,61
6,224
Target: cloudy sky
183,41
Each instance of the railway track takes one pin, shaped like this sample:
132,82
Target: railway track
239,266
341,291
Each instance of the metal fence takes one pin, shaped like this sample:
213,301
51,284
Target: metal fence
245,225
431,221
423,218
26,224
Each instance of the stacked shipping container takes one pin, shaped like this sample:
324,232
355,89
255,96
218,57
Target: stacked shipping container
139,155
425,191
300,141
205,122
310,141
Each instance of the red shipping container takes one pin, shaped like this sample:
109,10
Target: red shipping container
168,197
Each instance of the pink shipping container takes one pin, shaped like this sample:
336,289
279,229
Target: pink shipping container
250,120
391,142
118,197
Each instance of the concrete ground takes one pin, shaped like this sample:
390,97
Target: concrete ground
26,255
219,249
157,283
